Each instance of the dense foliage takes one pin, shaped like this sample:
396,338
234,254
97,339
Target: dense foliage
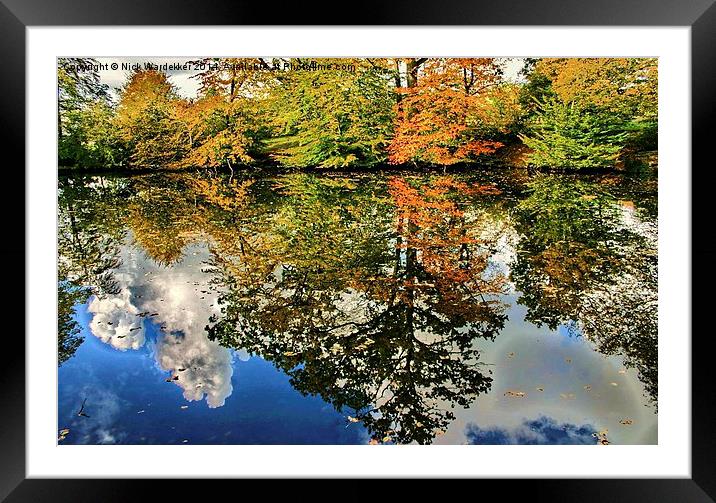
568,136
361,112
590,112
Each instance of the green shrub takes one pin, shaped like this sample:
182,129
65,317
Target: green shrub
570,137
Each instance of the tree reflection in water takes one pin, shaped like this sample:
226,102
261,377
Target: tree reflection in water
381,328
88,236
373,292
588,260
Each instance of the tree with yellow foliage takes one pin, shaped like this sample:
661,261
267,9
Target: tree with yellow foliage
145,119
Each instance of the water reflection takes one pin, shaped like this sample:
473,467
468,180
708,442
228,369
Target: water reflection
385,296
381,327
165,301
589,260
88,239
68,330
540,431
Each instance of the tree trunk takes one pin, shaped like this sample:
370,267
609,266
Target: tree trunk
413,65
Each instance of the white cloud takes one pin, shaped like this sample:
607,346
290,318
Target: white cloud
203,367
115,321
181,298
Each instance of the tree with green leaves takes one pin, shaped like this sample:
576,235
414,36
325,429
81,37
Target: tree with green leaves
573,137
68,330
616,96
336,117
84,132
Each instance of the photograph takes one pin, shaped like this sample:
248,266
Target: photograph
357,250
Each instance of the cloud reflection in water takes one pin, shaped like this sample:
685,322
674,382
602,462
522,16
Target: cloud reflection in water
183,303
541,431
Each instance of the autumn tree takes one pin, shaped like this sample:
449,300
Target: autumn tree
234,77
146,119
215,132
226,123
442,119
622,85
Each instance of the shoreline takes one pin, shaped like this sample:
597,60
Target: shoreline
278,170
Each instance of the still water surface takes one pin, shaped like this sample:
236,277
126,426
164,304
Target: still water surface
478,308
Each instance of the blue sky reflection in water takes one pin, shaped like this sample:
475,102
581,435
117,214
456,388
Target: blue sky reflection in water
169,305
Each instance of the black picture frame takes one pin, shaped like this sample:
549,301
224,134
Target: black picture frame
699,15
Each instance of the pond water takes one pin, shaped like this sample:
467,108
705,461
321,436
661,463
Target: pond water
390,308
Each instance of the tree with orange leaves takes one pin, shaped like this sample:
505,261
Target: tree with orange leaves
441,119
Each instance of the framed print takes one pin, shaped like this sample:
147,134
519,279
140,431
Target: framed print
394,249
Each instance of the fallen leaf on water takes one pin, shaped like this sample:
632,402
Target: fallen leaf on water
439,432
140,411
184,441
540,388
626,421
601,437
517,394
587,387
386,439
353,419
510,354
613,384
184,407
289,353
63,434
373,441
